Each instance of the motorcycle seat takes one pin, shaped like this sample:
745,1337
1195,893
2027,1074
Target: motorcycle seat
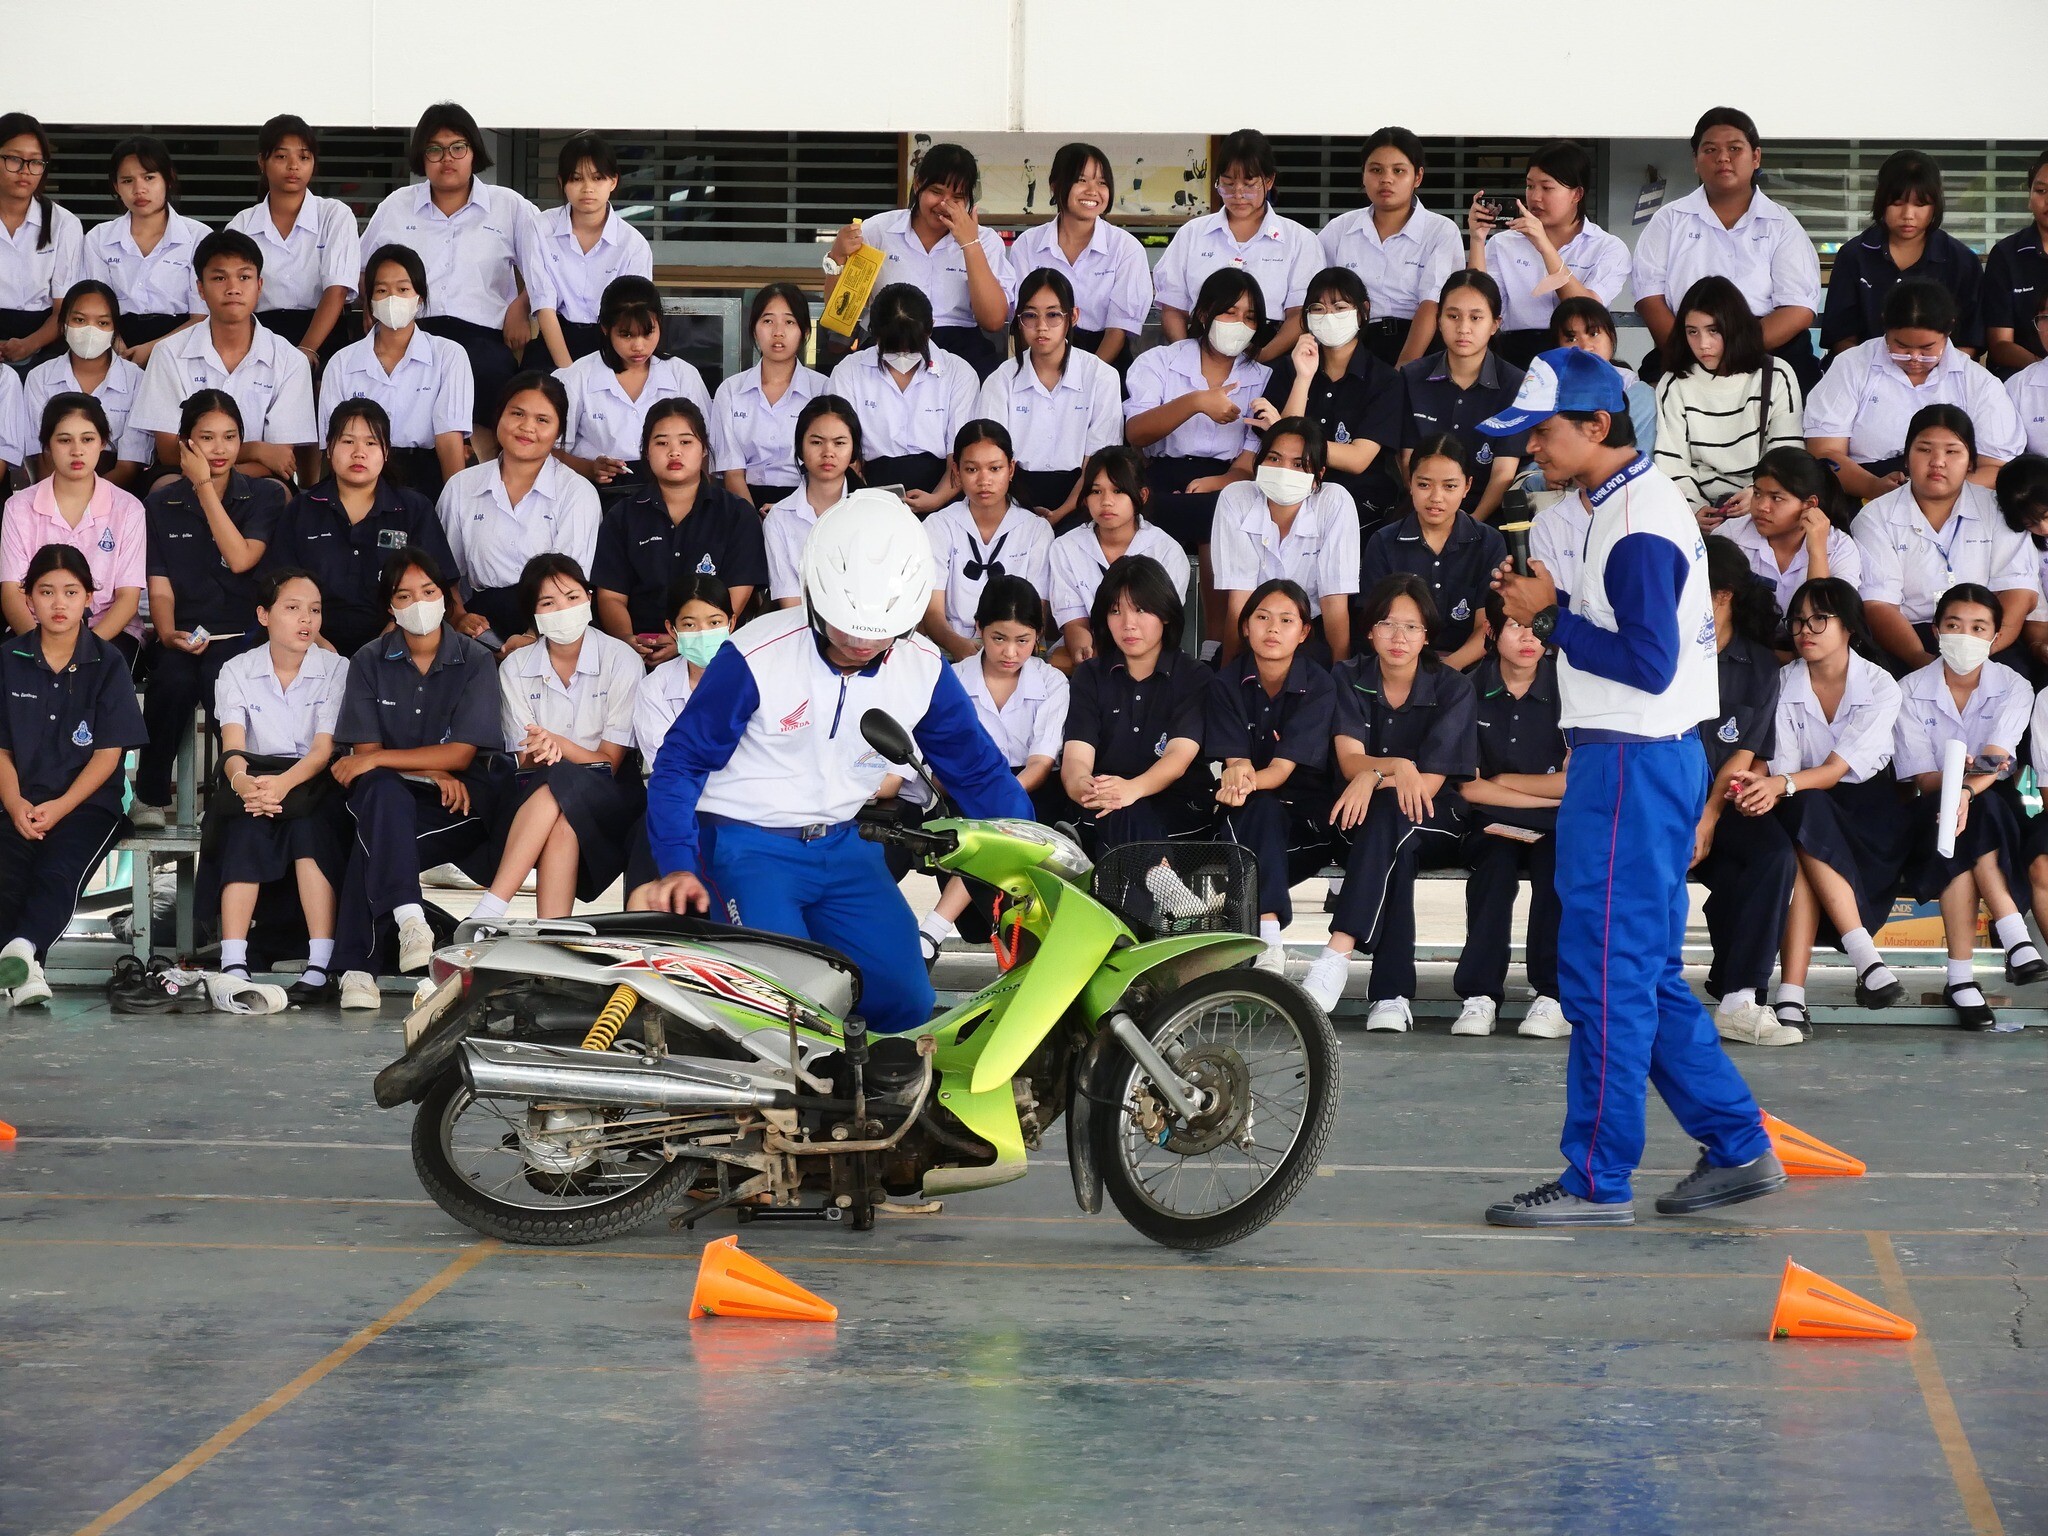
821,973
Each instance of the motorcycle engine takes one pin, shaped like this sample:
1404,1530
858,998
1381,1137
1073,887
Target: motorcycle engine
561,1141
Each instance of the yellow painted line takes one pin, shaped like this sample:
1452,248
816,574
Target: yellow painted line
229,1433
1941,1407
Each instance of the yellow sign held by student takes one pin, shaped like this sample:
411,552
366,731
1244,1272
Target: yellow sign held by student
850,295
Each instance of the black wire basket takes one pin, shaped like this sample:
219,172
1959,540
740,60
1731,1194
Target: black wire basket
1163,889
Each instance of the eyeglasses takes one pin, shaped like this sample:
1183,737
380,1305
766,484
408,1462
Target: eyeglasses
1240,188
457,150
16,164
1903,358
1401,627
1812,624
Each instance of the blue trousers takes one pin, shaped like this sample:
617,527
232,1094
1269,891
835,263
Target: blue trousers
836,891
1624,838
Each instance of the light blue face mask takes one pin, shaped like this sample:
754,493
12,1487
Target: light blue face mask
698,646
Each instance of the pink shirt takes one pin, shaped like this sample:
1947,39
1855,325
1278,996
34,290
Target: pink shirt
113,536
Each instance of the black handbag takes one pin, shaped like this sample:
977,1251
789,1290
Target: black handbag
301,800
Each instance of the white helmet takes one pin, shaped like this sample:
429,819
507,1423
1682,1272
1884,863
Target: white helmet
867,568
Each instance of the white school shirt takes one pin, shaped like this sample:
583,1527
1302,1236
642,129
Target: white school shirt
1996,716
1160,374
492,540
1862,731
1865,397
1766,255
273,384
471,257
1557,537
921,419
663,693
1034,721
1400,273
280,720
785,530
1320,551
320,253
1078,566
34,279
1282,255
755,436
1056,428
2028,391
2037,748
15,436
116,396
1845,560
939,273
1112,278
594,706
1021,545
1908,564
161,283
1593,256
430,391
571,281
603,420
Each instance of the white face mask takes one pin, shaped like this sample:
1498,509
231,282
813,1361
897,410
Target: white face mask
904,362
1230,337
564,626
1965,653
395,311
1335,328
88,341
421,618
1284,487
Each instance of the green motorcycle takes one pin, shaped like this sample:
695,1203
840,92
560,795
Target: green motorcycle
575,1078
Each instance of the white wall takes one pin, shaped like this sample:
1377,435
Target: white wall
1802,68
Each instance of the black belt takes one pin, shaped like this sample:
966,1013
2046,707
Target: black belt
805,834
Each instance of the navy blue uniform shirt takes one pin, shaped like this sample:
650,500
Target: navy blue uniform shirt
1243,720
1129,721
2015,273
1864,274
641,549
181,549
1436,404
53,722
1437,728
347,559
1748,719
390,701
1367,403
1457,578
1518,735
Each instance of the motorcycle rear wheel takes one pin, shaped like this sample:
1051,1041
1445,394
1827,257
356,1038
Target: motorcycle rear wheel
1269,1057
527,1221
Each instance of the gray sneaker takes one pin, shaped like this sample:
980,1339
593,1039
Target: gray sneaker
1552,1205
1707,1186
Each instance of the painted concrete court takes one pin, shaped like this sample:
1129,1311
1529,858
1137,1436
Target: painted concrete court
226,1307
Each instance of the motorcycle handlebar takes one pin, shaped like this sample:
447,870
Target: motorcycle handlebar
912,840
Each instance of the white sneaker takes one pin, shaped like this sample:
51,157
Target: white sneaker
34,990
147,818
415,944
1476,1017
1326,979
1390,1013
359,990
1272,959
1754,1024
448,877
1545,1020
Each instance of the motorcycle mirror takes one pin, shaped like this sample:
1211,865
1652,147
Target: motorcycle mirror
880,730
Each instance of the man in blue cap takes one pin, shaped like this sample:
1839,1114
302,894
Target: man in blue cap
1635,672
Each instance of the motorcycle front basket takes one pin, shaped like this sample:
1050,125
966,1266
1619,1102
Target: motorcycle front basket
1164,889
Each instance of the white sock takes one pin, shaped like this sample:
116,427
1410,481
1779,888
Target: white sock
1741,997
1269,929
319,952
412,909
1861,949
1962,975
2011,931
234,955
937,928
488,906
1333,954
1960,971
1787,993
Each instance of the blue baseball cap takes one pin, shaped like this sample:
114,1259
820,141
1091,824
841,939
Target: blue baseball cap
1565,379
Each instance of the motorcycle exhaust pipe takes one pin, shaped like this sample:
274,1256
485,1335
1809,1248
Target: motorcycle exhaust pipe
510,1069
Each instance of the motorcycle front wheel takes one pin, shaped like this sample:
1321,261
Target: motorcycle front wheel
1266,1060
493,1168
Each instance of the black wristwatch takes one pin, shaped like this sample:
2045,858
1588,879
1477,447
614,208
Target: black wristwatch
1544,623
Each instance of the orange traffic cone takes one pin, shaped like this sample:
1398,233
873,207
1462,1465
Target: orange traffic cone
6,1131
735,1284
1808,1156
1813,1307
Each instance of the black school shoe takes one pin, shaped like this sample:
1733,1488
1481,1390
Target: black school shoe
136,988
1878,997
1552,1205
2031,971
309,994
1976,1016
1708,1187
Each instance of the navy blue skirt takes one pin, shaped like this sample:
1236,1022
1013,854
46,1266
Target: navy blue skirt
1993,828
1863,832
601,809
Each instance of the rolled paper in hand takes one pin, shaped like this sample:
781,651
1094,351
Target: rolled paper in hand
1954,759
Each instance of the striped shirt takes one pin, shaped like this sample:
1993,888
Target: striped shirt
1711,428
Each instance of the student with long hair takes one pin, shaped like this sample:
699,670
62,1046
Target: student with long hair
612,390
41,242
78,506
1463,385
86,363
982,536
754,414
828,450
1057,400
1442,546
146,253
1114,496
1723,403
1288,521
1790,533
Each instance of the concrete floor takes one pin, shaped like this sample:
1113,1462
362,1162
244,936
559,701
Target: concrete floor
225,1307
